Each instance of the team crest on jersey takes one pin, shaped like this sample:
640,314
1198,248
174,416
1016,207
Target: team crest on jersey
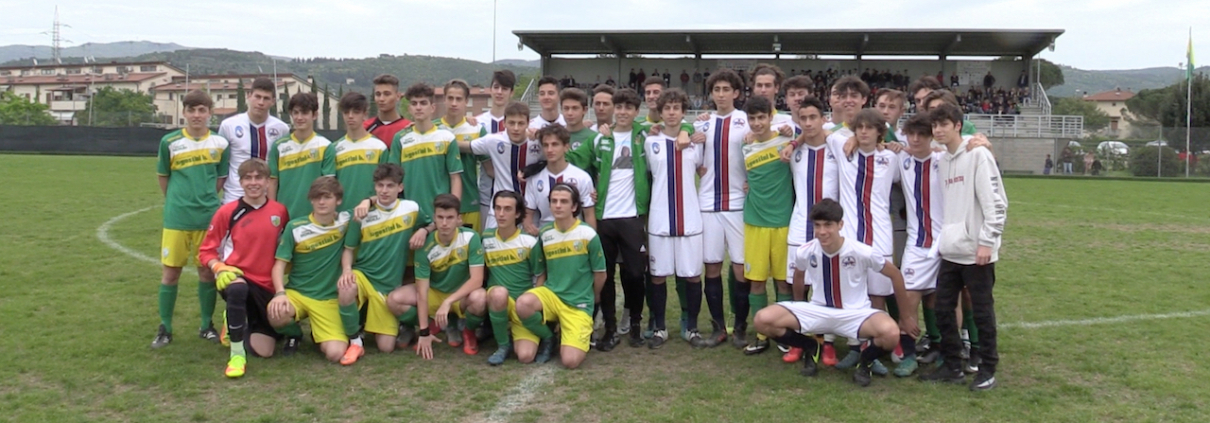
213,154
164,252
848,262
239,132
541,185
440,145
273,132
706,126
520,252
882,161
314,153
797,156
831,157
578,245
275,220
575,145
370,155
936,165
813,261
907,163
407,220
655,147
909,272
500,147
535,149
739,122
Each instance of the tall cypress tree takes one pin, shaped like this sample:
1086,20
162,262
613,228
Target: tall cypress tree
285,105
241,102
340,122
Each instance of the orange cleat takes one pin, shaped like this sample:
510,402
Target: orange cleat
353,353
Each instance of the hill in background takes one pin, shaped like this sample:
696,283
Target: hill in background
1095,81
118,49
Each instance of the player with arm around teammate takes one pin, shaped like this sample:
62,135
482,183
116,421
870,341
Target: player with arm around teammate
515,264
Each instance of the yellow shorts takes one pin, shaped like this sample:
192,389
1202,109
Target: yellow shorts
436,298
575,323
520,333
379,319
472,219
324,314
765,253
177,247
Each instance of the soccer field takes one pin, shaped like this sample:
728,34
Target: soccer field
1102,303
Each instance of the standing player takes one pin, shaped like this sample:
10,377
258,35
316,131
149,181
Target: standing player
721,196
427,154
456,93
576,274
510,151
357,154
602,106
311,247
838,270
574,104
250,227
376,251
652,88
891,103
766,228
674,226
192,168
548,100
251,133
389,122
492,121
766,80
797,88
555,140
516,264
296,160
449,278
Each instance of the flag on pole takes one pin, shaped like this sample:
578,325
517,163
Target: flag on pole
1189,57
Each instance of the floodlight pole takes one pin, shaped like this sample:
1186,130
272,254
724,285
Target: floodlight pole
494,3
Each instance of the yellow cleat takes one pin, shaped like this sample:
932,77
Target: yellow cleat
236,366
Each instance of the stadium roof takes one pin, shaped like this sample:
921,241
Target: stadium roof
870,42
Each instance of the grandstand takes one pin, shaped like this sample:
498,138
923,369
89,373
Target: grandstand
1013,110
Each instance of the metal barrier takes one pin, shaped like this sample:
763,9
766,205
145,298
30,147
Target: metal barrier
1043,99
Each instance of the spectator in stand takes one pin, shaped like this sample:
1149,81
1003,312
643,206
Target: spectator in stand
1066,158
698,81
667,78
685,80
1050,164
640,78
989,81
1022,80
632,79
1097,167
1088,159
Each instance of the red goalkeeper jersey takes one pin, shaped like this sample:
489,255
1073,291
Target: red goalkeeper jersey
246,237
386,131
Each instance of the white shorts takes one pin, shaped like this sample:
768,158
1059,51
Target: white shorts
919,271
791,252
723,232
879,284
817,319
679,255
486,216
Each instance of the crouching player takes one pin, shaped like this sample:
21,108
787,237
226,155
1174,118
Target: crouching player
243,270
514,262
311,246
376,250
838,270
449,278
577,274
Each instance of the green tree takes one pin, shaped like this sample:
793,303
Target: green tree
1052,74
327,109
1143,161
1094,118
314,88
1167,107
285,105
340,122
373,110
112,107
16,110
241,102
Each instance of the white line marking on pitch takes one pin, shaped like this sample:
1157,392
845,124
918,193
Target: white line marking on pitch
522,393
1103,320
103,236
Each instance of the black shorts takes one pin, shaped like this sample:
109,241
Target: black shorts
258,310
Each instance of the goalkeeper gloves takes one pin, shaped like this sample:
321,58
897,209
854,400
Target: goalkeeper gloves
224,275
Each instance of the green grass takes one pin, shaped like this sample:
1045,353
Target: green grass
78,318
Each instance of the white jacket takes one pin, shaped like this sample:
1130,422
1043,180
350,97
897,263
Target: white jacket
976,205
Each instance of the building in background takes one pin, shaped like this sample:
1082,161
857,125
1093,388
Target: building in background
65,88
1113,103
225,90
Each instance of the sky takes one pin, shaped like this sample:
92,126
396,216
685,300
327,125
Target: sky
1104,34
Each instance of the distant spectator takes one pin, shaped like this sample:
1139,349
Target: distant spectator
684,80
1066,158
1088,159
1050,164
954,80
698,81
632,79
667,78
989,81
1022,80
1097,167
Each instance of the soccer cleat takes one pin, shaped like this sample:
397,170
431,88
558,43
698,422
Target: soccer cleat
983,381
792,356
222,332
453,336
897,354
650,331
497,358
966,349
405,337
850,360
944,374
829,355
906,367
930,356
696,340
162,338
718,338
972,364
877,368
209,334
352,353
861,376
291,346
546,348
810,365
607,342
470,344
923,345
635,337
236,366
658,339
739,336
756,347
684,330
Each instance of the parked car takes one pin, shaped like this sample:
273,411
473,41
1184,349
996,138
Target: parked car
1158,143
1113,147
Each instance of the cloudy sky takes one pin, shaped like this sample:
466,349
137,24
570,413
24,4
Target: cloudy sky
1103,34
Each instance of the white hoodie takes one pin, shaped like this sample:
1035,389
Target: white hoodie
976,205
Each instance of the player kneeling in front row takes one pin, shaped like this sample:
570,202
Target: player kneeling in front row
449,278
376,250
243,270
838,270
311,246
515,262
577,273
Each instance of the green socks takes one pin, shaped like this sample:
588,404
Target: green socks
968,323
732,291
499,325
536,325
930,325
410,317
473,321
681,294
167,305
784,297
350,319
237,348
207,296
291,330
892,307
757,302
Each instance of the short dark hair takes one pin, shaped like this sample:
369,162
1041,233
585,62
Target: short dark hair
604,88
871,118
420,89
263,84
386,79
547,80
946,113
389,171
895,95
307,102
516,197
768,69
757,104
457,83
353,101
918,124
517,108
798,82
827,210
446,201
325,185
940,94
556,130
572,93
627,96
505,78
851,83
672,95
725,75
198,98
811,101
924,83
653,81
564,186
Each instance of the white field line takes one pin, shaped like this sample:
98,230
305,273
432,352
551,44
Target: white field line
103,236
1103,320
521,394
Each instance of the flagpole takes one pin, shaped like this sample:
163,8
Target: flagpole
1189,104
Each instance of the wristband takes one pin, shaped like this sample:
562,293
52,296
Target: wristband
423,332
279,294
794,145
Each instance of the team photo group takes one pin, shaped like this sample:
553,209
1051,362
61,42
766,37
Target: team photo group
516,226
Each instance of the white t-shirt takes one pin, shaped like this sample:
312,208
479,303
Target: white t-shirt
674,210
840,280
619,203
815,178
537,190
865,193
247,141
722,187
